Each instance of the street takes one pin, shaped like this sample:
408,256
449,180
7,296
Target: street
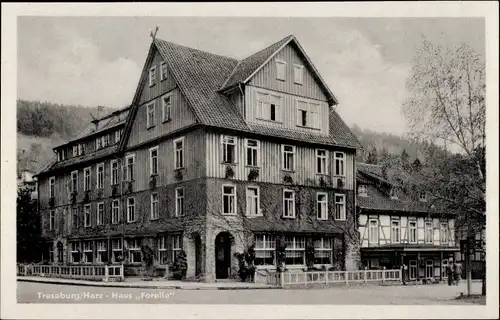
29,292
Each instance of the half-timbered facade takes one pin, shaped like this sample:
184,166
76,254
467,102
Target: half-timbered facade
213,155
396,227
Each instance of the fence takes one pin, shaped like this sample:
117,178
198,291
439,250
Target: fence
326,277
90,272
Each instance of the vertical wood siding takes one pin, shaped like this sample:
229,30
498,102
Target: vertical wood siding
270,163
266,77
288,111
384,230
181,113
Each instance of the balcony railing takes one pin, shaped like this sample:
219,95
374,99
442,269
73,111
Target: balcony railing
96,272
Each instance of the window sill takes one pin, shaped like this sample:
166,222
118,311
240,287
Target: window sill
150,127
307,127
229,214
298,83
288,217
154,219
340,219
179,169
134,221
251,166
322,219
269,120
167,120
288,170
254,215
234,164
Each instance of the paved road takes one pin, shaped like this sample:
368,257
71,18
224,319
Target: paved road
370,295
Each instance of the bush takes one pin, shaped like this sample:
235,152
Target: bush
179,267
148,258
246,266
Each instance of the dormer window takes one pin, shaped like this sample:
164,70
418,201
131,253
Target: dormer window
362,191
422,196
75,150
393,193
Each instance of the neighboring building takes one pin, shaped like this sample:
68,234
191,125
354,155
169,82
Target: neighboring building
216,154
398,227
26,179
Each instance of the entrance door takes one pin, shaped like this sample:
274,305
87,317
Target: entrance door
429,269
198,261
413,269
222,255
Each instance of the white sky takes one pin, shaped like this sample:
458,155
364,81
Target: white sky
365,61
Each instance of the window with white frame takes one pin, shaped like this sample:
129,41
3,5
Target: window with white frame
280,70
252,147
100,213
362,190
98,143
75,251
339,160
228,149
413,232
75,150
100,176
154,206
151,115
129,167
74,217
114,172
102,251
134,250
288,156
88,252
163,71
166,113
87,215
87,178
340,209
74,182
307,114
323,250
265,246
152,76
288,203
295,250
116,250
373,231
321,161
130,209
81,148
105,140
52,219
228,200
395,231
179,202
115,211
422,196
153,161
268,106
429,232
176,246
443,232
179,153
52,187
253,201
162,250
118,135
298,73
322,205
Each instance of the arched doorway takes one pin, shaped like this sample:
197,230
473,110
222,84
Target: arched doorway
60,252
223,255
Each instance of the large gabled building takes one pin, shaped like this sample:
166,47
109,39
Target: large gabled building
213,155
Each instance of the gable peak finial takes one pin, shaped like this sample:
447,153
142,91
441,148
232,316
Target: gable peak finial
152,33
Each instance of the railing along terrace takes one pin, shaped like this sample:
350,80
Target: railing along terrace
84,272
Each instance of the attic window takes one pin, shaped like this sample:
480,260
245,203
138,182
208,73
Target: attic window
152,76
280,70
163,71
362,191
298,73
393,194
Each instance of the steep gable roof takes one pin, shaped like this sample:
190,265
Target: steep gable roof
248,67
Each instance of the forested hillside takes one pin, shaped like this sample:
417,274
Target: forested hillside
43,125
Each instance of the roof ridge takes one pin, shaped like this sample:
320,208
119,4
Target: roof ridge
267,47
199,50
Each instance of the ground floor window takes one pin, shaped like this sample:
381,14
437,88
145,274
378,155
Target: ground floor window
88,253
295,250
323,251
75,251
176,246
162,250
134,250
413,269
429,269
265,246
444,268
116,250
102,251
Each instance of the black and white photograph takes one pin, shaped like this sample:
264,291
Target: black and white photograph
175,156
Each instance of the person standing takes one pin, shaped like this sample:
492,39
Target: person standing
449,273
404,269
457,269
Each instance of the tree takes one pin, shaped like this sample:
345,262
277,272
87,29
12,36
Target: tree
28,228
372,156
447,106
